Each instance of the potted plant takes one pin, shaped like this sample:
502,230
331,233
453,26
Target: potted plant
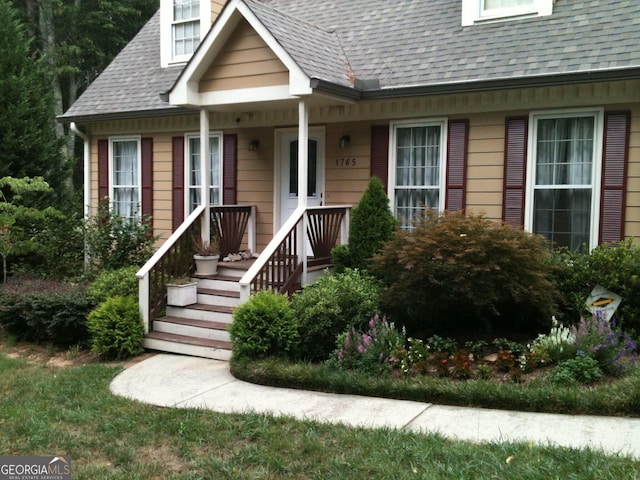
181,292
206,256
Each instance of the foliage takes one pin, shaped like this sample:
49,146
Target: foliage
115,328
615,267
559,344
114,242
264,326
597,338
446,345
27,117
44,311
459,272
372,224
113,283
580,369
370,351
331,306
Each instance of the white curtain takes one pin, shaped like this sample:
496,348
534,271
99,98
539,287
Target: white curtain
194,172
418,159
125,178
495,4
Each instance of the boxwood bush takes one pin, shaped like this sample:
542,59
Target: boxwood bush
116,329
45,311
263,327
114,283
331,306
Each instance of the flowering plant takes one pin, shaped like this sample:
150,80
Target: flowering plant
370,351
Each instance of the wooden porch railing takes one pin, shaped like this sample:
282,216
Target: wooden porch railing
174,258
284,263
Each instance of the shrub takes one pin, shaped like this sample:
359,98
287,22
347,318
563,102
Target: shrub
113,283
372,224
45,311
370,351
460,272
581,369
264,326
114,242
331,306
115,328
615,267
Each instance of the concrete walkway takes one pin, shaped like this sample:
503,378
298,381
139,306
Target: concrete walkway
188,382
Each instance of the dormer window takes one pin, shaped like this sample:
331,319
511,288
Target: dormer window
477,11
183,23
185,27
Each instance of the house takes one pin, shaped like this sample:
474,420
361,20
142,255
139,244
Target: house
527,111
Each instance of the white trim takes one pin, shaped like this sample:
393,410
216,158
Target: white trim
238,96
596,173
127,138
472,12
185,92
443,123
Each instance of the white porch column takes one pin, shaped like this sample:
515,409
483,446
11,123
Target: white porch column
204,174
303,174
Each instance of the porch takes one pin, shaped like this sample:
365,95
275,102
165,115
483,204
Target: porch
296,256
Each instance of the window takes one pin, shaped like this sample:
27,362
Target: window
194,173
564,172
186,27
125,177
474,11
417,171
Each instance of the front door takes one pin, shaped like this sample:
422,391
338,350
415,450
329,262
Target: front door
289,171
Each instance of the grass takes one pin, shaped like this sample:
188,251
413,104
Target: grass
48,410
617,397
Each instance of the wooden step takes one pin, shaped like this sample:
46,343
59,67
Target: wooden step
185,345
194,323
219,293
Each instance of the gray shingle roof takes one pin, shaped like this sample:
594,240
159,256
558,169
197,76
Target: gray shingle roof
400,43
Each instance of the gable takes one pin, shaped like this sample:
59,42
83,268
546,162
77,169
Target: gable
246,61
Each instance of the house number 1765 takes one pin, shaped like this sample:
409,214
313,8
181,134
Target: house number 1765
346,162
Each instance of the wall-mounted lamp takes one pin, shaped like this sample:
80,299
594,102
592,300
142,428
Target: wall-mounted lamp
254,145
345,141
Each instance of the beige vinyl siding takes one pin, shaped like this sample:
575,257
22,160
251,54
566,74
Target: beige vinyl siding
245,62
216,8
632,213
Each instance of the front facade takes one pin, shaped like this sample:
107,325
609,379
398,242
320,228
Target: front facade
527,111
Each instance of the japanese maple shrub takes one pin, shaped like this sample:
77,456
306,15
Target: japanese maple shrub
452,271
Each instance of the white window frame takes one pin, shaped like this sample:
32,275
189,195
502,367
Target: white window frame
473,11
596,173
187,168
136,214
394,126
167,45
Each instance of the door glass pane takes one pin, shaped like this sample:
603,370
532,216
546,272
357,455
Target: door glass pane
312,174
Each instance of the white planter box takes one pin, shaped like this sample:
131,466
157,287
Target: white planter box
182,295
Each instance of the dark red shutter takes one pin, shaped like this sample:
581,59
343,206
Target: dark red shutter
103,169
515,170
177,181
614,175
147,178
229,169
457,142
380,154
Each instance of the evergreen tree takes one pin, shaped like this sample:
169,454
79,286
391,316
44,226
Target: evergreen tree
27,135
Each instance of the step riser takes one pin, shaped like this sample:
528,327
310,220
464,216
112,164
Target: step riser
199,314
218,284
191,331
183,349
218,300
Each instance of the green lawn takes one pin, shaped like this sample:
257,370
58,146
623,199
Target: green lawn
51,410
